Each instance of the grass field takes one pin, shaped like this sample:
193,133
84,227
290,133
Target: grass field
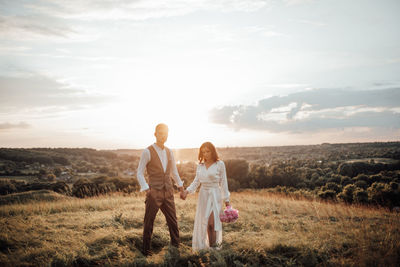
272,230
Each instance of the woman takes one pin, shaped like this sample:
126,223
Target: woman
211,175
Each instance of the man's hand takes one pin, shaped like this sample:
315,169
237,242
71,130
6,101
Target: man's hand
182,193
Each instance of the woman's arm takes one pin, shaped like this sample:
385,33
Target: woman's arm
196,182
224,184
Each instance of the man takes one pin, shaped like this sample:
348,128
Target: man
159,162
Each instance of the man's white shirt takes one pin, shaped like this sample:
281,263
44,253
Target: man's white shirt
162,154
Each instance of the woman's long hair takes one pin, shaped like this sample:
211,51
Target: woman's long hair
211,147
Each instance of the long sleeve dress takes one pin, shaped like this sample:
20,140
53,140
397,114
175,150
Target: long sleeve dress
213,190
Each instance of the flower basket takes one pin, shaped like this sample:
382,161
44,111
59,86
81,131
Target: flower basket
229,215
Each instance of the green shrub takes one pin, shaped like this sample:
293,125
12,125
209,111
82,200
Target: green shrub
384,194
327,194
361,184
360,196
332,186
345,180
347,194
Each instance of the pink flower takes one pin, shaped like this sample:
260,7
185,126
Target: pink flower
229,215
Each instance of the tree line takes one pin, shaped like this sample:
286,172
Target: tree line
353,173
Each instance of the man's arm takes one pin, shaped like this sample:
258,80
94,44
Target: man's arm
144,159
175,173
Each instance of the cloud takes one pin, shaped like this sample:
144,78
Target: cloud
33,27
137,10
297,2
315,110
310,22
34,92
61,20
7,126
13,49
274,34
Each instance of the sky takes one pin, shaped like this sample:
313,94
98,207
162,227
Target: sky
103,73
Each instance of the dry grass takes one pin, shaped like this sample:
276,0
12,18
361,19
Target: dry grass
272,230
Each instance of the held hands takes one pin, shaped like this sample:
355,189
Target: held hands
183,193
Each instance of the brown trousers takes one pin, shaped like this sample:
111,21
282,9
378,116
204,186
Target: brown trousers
160,199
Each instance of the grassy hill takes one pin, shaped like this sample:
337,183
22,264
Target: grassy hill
272,230
31,196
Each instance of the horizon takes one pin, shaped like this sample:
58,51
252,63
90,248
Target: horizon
242,73
223,147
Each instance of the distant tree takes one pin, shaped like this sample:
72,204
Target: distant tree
104,170
42,173
112,172
233,185
238,169
7,187
50,177
57,171
187,171
346,169
61,187
257,175
61,160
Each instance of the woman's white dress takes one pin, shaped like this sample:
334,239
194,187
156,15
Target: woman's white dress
213,190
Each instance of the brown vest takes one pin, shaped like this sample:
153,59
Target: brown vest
158,179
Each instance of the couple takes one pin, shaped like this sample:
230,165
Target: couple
159,162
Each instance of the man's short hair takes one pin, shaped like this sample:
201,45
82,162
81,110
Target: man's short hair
161,126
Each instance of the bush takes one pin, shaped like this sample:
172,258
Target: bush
360,196
7,187
335,178
394,186
361,184
347,194
320,181
332,186
361,177
384,194
345,180
375,178
328,194
103,185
